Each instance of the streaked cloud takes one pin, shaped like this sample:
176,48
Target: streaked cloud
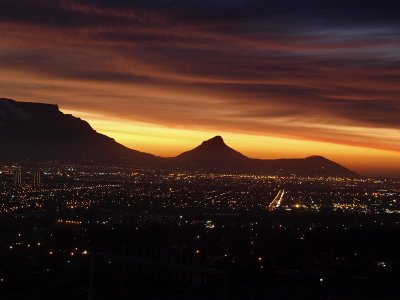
323,71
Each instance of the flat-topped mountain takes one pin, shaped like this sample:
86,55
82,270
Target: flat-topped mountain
37,131
41,132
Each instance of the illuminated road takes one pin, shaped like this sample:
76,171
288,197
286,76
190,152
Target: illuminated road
276,203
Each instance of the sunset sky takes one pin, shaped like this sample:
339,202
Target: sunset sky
287,78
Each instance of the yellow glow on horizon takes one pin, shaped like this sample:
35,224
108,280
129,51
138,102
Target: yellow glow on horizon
171,141
294,105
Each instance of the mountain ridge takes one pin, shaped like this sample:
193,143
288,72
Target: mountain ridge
215,155
39,131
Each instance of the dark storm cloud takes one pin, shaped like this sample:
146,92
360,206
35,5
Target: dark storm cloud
222,13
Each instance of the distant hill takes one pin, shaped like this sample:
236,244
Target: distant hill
215,155
41,132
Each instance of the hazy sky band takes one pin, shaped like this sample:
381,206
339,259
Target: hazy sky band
310,70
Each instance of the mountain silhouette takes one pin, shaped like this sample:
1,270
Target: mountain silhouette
213,152
41,132
214,155
36,131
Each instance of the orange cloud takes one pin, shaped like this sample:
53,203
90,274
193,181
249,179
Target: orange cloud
150,77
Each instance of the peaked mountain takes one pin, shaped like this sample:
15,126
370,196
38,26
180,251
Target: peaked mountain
215,155
213,152
37,131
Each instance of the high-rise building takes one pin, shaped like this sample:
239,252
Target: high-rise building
18,177
37,178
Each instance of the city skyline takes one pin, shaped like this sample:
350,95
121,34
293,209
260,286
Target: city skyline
275,80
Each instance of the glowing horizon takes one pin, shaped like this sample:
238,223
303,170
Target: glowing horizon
169,142
162,76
